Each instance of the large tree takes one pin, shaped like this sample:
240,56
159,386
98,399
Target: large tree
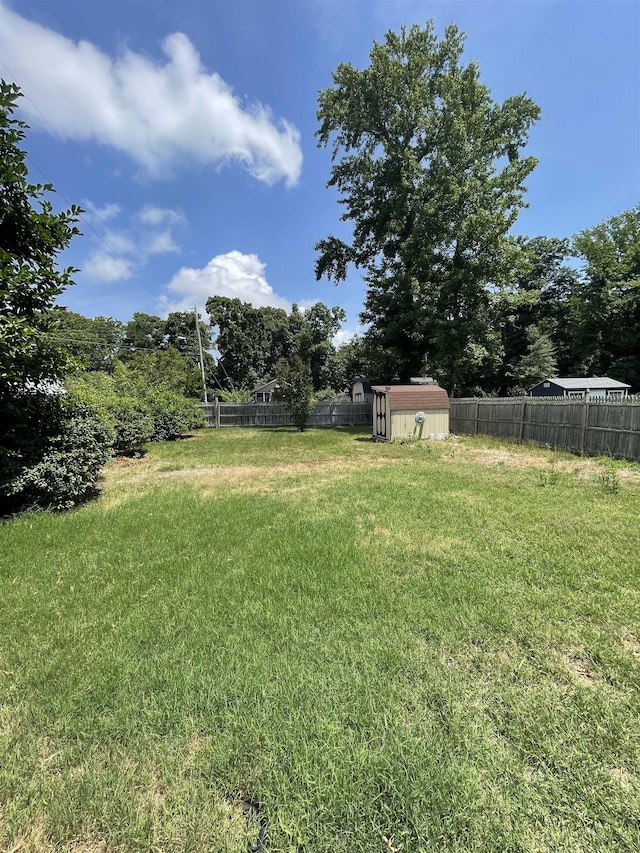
317,327
143,332
535,318
252,341
93,342
430,173
607,340
31,238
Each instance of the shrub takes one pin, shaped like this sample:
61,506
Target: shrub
121,412
136,411
172,414
133,427
63,445
295,389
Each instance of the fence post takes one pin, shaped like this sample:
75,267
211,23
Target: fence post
583,424
524,406
475,430
217,413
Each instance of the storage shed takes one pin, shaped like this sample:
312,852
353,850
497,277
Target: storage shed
576,388
361,390
395,408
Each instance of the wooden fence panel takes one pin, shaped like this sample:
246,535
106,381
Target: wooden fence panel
595,427
275,414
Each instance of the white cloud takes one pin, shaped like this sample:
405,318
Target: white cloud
120,242
234,275
152,215
160,243
119,253
160,114
99,215
101,265
343,337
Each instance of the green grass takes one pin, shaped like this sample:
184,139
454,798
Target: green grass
438,646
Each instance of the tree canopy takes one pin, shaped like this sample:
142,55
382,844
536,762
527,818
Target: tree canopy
608,298
31,238
430,173
252,341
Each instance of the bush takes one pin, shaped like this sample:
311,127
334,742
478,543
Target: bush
172,415
121,412
295,389
57,459
133,427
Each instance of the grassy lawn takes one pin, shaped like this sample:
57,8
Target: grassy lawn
325,644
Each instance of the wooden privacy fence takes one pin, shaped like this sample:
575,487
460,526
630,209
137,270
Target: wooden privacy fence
595,427
275,414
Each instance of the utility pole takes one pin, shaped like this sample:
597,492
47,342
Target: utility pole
204,383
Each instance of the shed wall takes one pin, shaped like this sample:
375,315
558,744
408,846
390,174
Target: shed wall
404,423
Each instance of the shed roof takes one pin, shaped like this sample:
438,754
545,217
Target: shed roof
414,397
584,383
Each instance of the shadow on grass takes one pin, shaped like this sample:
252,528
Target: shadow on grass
10,509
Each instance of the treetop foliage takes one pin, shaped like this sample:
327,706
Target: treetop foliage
31,237
430,173
251,341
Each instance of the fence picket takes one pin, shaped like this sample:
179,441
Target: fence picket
275,414
595,427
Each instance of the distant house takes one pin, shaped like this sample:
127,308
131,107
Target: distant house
578,388
361,390
264,393
401,410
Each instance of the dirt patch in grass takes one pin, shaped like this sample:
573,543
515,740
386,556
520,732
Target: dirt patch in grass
245,478
579,666
156,793
127,461
197,744
624,778
540,459
631,644
88,847
35,840
514,459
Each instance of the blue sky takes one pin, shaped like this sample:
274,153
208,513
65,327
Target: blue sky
186,130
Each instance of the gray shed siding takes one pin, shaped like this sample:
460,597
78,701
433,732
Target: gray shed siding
552,391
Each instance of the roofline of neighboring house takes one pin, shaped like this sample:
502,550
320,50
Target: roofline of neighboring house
585,380
265,385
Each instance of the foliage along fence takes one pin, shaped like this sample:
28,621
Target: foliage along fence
591,426
276,414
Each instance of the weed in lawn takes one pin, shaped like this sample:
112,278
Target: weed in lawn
609,478
549,478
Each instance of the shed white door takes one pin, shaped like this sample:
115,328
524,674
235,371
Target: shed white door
380,415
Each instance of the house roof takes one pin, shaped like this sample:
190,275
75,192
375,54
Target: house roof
268,386
414,397
584,383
